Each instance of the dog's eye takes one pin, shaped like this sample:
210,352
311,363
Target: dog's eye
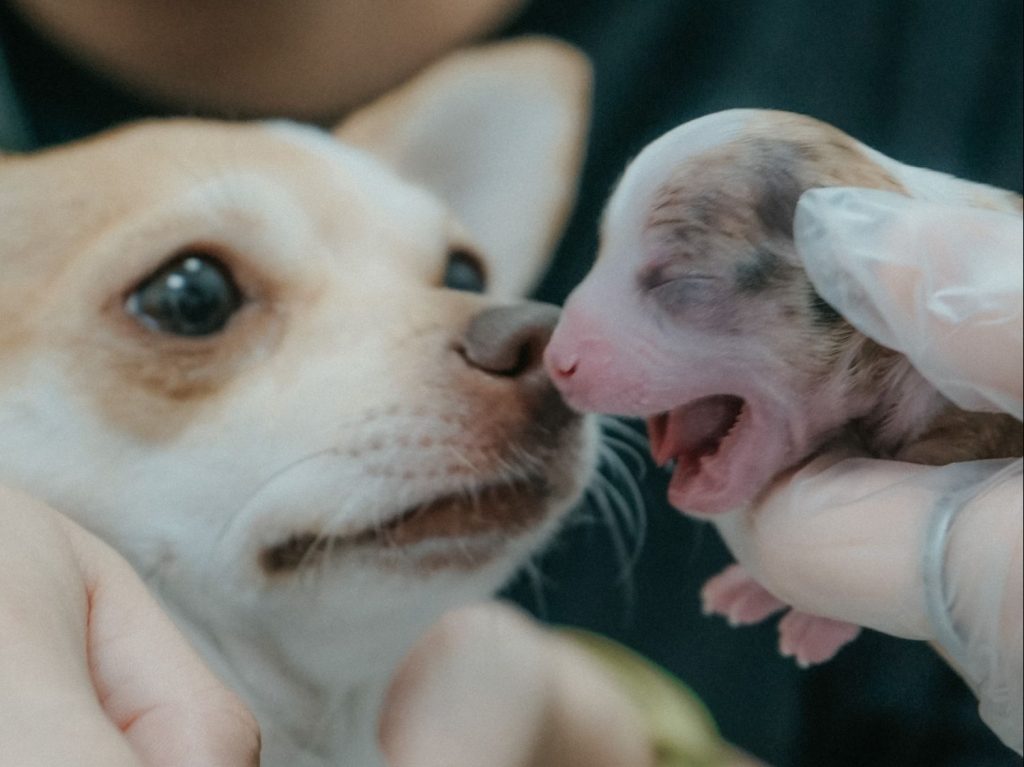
191,295
464,272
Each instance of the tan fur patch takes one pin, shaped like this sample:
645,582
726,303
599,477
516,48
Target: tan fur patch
729,212
779,158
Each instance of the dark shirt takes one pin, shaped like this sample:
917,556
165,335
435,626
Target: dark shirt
936,83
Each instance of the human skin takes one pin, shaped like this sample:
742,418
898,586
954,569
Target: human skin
307,59
488,686
91,670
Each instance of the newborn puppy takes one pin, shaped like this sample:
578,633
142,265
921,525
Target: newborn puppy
288,375
698,317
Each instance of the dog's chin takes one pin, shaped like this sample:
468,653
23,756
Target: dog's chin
457,531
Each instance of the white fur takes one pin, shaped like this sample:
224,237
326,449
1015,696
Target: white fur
339,400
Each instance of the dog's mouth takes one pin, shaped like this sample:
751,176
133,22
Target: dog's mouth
457,528
721,458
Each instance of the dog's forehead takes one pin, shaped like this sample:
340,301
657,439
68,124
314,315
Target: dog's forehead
660,159
107,181
350,165
153,187
724,166
137,164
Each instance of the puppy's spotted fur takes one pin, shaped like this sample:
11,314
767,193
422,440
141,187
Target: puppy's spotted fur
698,315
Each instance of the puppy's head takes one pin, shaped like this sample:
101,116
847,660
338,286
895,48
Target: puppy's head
699,316
291,384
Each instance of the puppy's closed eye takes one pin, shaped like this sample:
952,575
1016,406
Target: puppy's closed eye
679,290
193,294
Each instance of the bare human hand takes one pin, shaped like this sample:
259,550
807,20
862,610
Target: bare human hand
487,685
92,672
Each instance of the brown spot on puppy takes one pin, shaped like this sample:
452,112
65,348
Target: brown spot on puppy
760,271
748,189
729,212
699,300
777,166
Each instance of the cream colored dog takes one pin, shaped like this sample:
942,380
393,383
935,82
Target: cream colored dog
293,388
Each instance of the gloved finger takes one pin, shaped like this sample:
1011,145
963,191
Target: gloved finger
977,589
854,527
939,283
838,538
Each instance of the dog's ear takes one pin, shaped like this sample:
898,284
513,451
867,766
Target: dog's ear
498,132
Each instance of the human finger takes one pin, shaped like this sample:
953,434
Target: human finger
488,686
845,537
50,711
169,706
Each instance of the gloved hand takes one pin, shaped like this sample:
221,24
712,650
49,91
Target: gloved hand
921,552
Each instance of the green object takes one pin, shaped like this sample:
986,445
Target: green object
680,728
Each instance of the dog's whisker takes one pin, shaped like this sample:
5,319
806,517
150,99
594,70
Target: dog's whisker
463,458
627,431
631,533
626,441
633,507
597,498
626,451
621,425
239,516
597,495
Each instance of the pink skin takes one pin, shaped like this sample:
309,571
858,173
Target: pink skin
607,366
691,351
599,366
738,598
742,601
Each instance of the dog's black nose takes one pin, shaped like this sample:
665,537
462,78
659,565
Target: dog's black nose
509,340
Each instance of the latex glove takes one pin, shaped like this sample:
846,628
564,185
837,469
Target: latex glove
940,283
915,551
92,672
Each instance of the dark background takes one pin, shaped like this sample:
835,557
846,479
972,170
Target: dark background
930,82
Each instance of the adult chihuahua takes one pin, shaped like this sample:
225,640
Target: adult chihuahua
293,386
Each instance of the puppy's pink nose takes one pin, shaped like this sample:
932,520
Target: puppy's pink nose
509,341
561,363
576,358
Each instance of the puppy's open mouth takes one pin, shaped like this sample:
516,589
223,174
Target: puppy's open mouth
473,521
701,437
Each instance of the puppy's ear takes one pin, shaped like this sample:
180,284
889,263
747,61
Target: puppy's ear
498,132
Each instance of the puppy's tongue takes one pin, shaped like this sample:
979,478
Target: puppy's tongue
690,435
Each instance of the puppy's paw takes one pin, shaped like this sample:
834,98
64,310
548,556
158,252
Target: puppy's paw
811,639
736,596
